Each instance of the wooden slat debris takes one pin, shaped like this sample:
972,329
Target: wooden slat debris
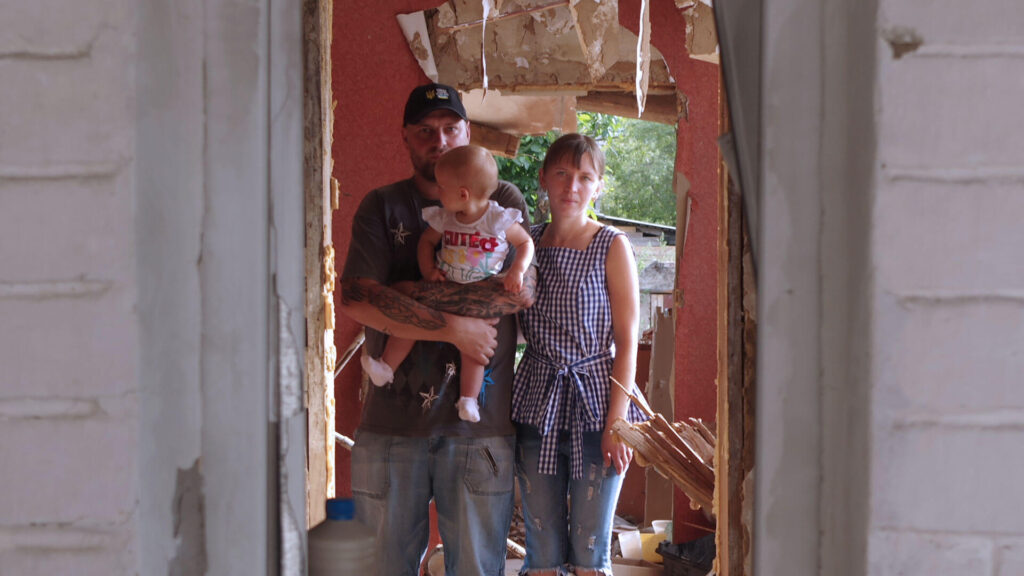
682,452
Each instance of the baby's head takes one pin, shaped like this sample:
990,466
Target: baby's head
468,167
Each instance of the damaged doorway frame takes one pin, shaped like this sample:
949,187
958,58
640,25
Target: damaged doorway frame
802,496
320,355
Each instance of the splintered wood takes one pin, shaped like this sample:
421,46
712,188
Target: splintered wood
682,452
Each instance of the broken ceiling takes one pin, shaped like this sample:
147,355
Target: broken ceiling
540,55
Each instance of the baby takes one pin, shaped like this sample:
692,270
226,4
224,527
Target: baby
475,234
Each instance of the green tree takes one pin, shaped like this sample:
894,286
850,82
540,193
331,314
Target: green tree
638,173
638,179
522,170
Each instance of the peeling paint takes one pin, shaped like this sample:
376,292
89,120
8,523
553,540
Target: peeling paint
683,105
522,62
902,40
290,366
189,523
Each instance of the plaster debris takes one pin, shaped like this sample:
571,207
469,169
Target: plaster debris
902,40
445,16
414,28
597,26
486,6
643,57
544,45
701,33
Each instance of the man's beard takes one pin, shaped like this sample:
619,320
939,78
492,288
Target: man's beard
427,171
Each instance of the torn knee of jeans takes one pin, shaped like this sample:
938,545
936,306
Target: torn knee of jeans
593,472
538,524
580,571
590,542
544,572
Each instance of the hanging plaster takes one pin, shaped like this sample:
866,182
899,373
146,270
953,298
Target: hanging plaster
486,7
643,56
597,26
414,28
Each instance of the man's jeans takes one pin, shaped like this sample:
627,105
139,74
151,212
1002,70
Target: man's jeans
470,480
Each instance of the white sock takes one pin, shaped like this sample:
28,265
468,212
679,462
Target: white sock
378,370
469,410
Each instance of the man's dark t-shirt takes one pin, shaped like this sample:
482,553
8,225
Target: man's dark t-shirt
421,400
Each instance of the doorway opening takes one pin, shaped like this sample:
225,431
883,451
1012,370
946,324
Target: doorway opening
690,97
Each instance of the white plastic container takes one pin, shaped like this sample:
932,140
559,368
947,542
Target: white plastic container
341,545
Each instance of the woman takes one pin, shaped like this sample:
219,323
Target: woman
581,330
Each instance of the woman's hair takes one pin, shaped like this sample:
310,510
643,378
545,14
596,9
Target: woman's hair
575,146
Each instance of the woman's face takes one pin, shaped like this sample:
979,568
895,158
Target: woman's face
570,188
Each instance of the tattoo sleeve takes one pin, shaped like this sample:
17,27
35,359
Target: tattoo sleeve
392,304
484,299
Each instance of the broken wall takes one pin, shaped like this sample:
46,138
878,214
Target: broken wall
374,72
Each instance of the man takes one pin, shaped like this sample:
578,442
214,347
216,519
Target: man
411,446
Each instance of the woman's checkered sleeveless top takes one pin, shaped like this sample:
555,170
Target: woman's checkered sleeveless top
563,380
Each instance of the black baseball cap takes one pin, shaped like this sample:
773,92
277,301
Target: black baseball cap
425,99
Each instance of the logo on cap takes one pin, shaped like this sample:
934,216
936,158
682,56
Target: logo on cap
439,93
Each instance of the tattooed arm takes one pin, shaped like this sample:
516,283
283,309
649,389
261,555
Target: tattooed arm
484,299
372,304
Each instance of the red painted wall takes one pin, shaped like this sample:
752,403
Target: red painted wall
696,360
373,73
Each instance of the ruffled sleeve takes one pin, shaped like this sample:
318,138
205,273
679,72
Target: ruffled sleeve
500,218
435,217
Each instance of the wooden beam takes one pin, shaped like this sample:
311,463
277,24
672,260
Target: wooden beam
498,142
729,473
319,259
660,108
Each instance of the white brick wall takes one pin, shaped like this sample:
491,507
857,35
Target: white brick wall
1010,558
948,313
903,554
68,398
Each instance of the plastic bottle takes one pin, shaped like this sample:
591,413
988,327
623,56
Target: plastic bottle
341,545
